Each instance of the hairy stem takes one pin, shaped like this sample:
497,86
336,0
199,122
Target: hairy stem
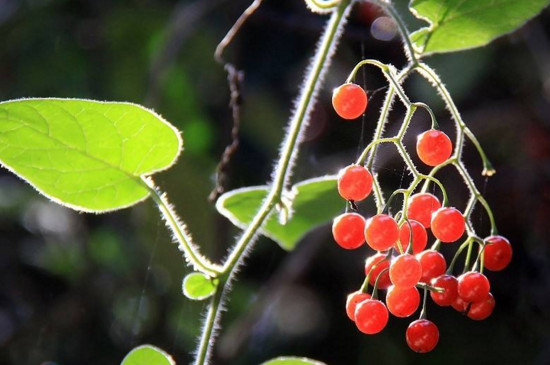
283,171
297,123
186,245
205,346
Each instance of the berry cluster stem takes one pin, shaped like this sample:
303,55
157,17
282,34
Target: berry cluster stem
395,79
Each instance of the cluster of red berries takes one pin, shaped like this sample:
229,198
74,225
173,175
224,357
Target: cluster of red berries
401,269
406,270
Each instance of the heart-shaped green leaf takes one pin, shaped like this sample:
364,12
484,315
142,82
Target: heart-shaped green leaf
84,154
312,203
147,355
463,24
292,361
198,286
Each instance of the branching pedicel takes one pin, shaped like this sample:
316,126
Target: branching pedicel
400,240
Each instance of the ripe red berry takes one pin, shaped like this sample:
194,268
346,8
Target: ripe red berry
459,304
419,236
421,206
354,183
422,336
497,253
405,271
352,301
402,302
371,316
349,101
473,286
448,224
381,264
433,265
480,310
450,286
381,232
433,147
347,230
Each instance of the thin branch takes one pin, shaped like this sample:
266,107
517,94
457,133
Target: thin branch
218,54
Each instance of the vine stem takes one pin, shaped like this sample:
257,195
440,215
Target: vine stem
289,151
283,169
209,324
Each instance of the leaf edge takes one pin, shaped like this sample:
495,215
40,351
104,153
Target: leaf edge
76,207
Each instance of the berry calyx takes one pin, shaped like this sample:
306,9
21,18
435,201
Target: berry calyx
480,310
433,147
448,224
381,232
351,303
473,286
449,284
421,206
402,302
354,183
347,230
497,253
349,101
405,271
371,316
419,236
422,336
378,259
433,264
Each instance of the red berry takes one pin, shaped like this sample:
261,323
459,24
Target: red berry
482,309
354,183
371,316
497,253
347,230
419,236
459,304
421,206
352,301
381,232
422,336
433,147
473,286
405,271
381,264
450,286
448,224
433,265
402,302
349,101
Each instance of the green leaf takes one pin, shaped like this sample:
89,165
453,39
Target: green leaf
84,154
312,202
463,24
198,286
147,355
292,361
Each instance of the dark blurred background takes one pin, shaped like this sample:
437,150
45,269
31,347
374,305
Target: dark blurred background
85,289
